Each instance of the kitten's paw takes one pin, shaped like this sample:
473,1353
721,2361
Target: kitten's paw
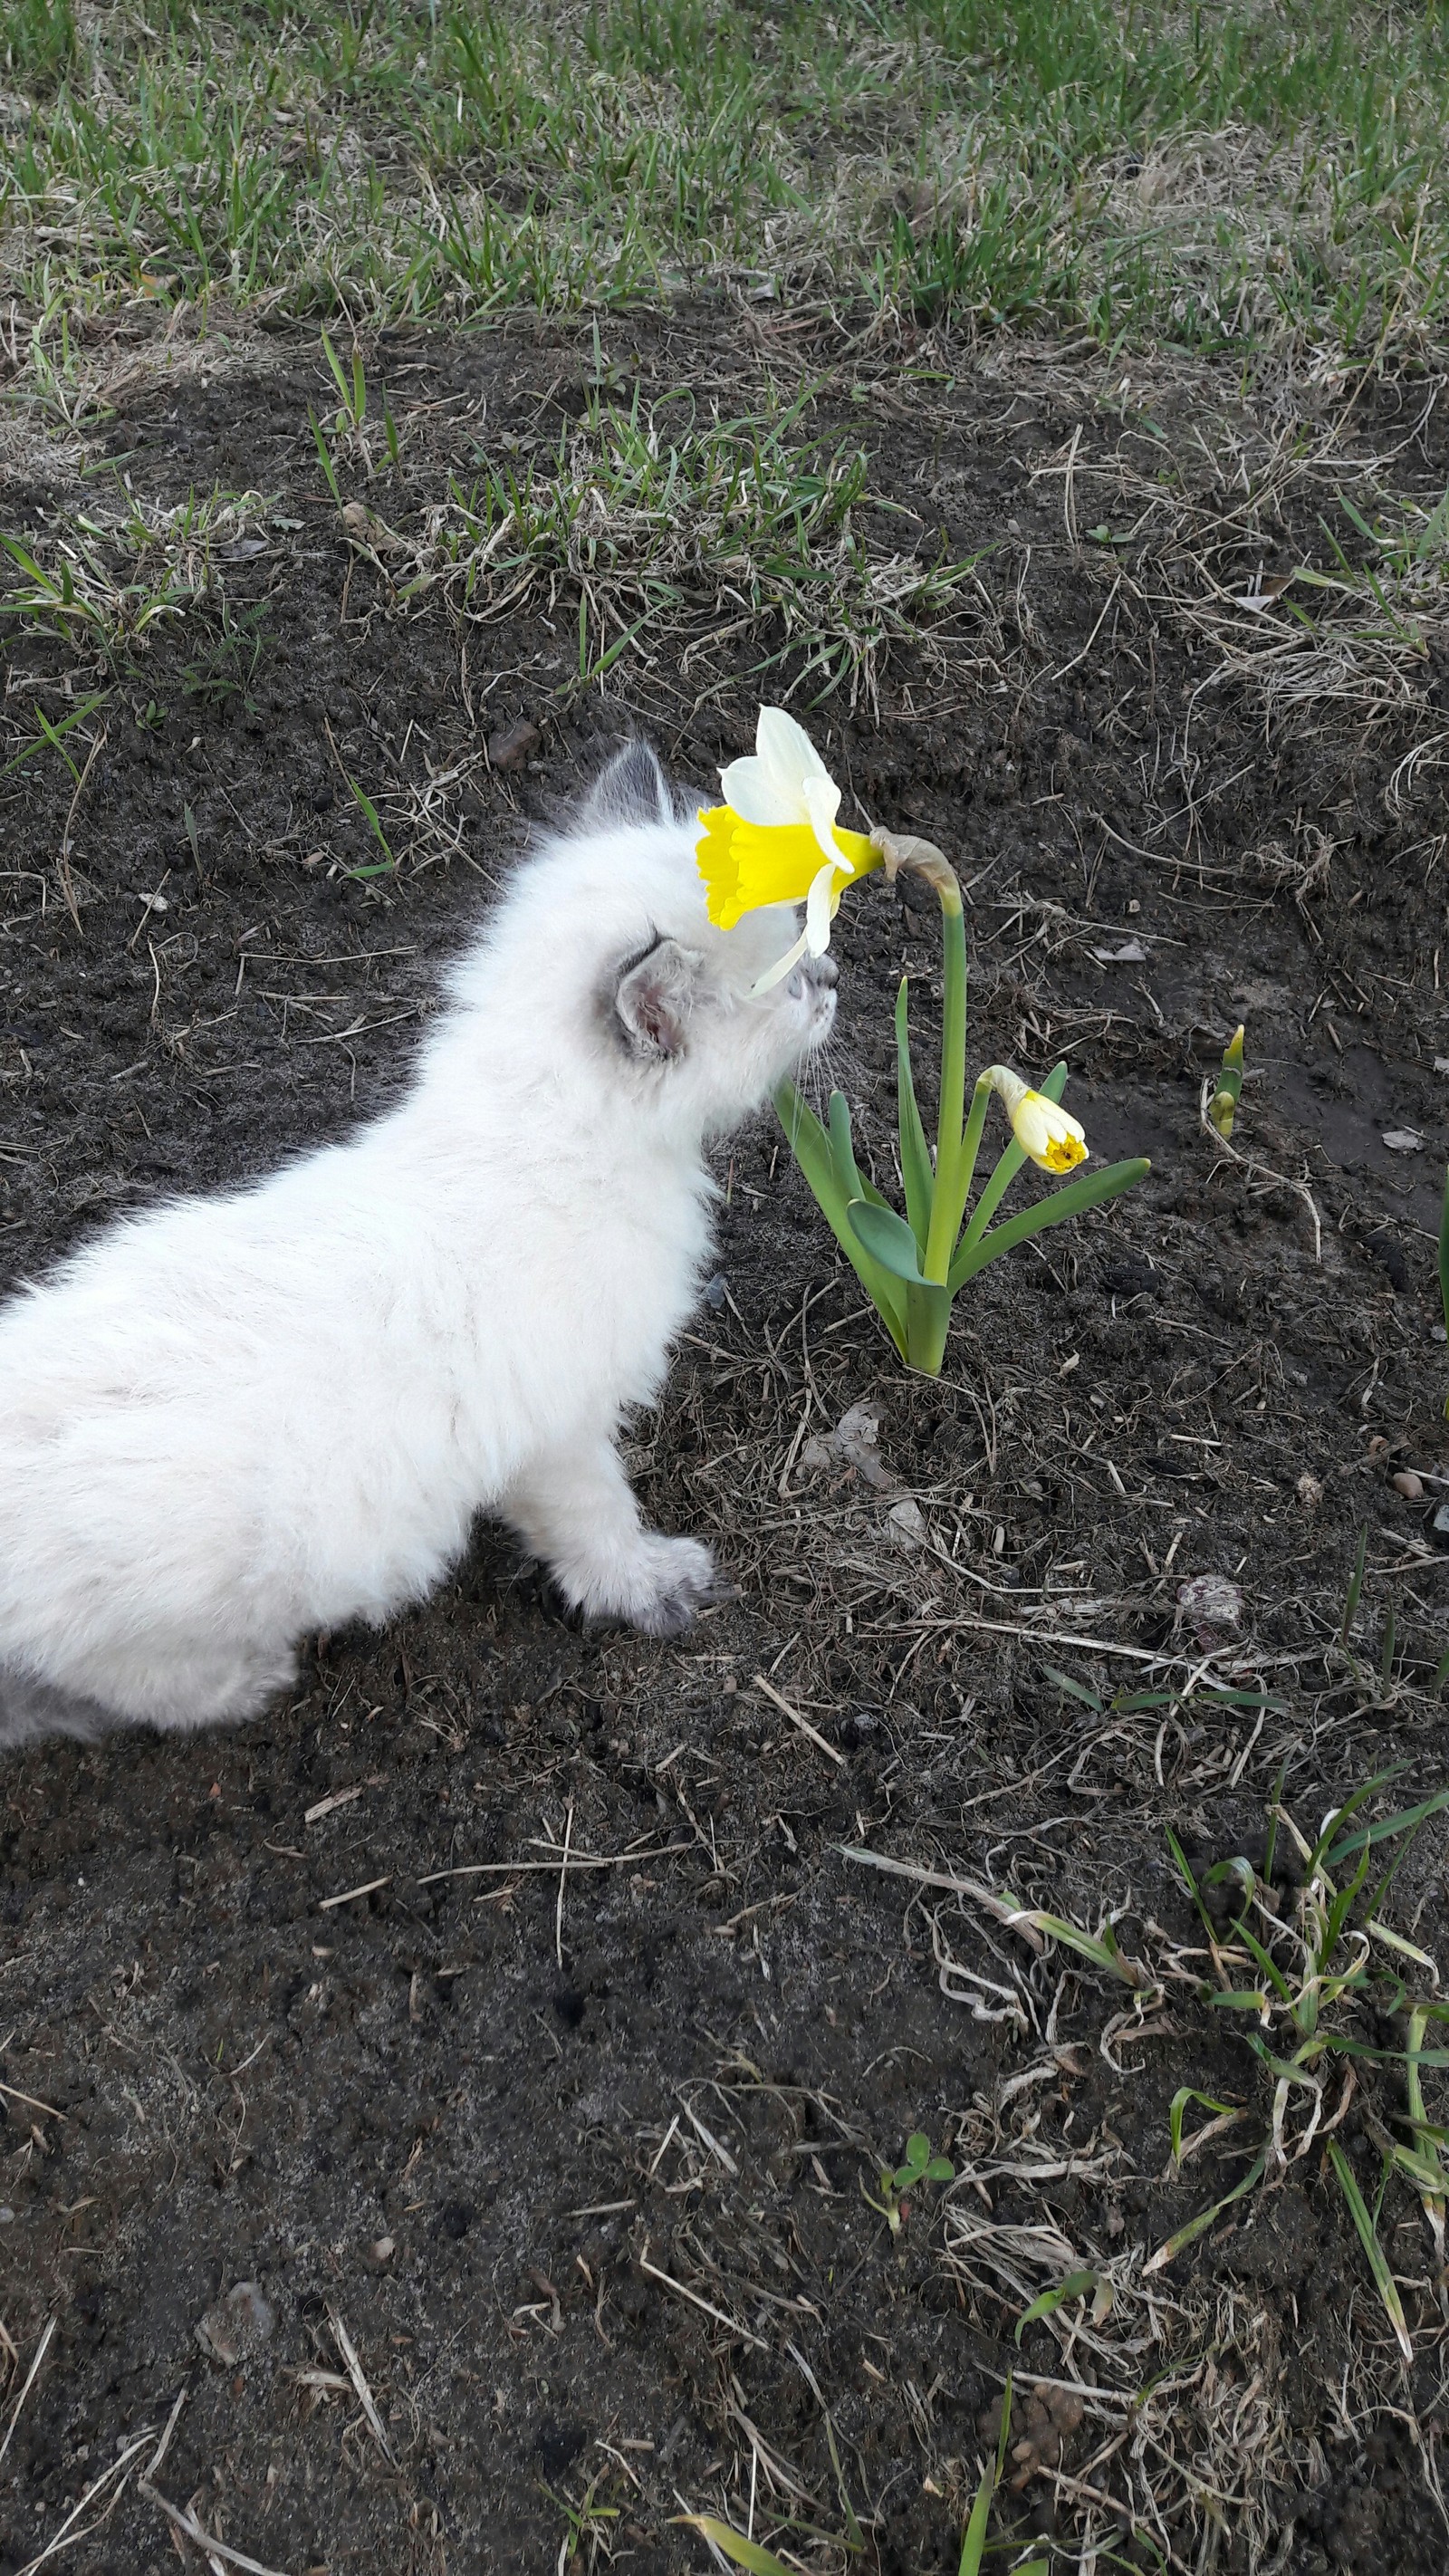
660,1587
680,1583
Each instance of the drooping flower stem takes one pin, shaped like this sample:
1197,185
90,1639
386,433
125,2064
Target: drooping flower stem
928,1302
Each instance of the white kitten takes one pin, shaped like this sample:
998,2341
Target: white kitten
235,1420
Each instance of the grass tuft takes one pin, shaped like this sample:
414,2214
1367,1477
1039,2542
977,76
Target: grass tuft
1244,179
649,521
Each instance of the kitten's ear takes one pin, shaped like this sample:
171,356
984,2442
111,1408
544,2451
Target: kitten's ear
632,789
652,1001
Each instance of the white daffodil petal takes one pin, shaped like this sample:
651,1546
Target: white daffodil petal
783,966
1049,1134
1009,1088
787,755
749,790
818,908
822,804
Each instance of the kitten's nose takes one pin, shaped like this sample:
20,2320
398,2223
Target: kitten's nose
822,970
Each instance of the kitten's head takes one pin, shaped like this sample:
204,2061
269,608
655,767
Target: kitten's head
675,1006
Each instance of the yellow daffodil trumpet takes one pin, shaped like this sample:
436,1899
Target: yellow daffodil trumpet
775,840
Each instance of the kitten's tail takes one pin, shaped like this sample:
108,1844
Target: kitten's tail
30,1708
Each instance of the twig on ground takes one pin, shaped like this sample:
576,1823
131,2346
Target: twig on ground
365,2399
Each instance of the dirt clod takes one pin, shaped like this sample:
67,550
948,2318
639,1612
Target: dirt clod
237,2324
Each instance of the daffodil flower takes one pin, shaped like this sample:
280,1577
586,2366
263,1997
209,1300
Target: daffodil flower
775,840
1047,1133
911,1266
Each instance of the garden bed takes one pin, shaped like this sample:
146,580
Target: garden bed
545,2147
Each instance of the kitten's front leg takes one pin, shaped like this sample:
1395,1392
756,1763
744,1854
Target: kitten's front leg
573,1506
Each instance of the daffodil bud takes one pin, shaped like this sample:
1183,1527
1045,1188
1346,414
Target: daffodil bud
1042,1129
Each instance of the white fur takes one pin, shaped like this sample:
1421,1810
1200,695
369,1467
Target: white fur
236,1420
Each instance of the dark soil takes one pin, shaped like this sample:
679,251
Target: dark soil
573,2161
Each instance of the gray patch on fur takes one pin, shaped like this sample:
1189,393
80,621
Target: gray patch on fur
31,1709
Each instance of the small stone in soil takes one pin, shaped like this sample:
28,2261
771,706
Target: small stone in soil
510,745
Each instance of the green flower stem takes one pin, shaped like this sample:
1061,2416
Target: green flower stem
949,1200
965,1172
928,1321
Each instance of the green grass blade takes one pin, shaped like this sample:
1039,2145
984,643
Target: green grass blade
1198,2226
1404,1822
1337,2043
1185,1873
973,2545
1388,2288
732,2544
324,459
1102,1953
1075,1690
50,734
1188,2093
1239,1699
1425,2173
335,363
1269,1965
1355,1587
1074,2286
370,816
1349,1808
605,663
28,564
